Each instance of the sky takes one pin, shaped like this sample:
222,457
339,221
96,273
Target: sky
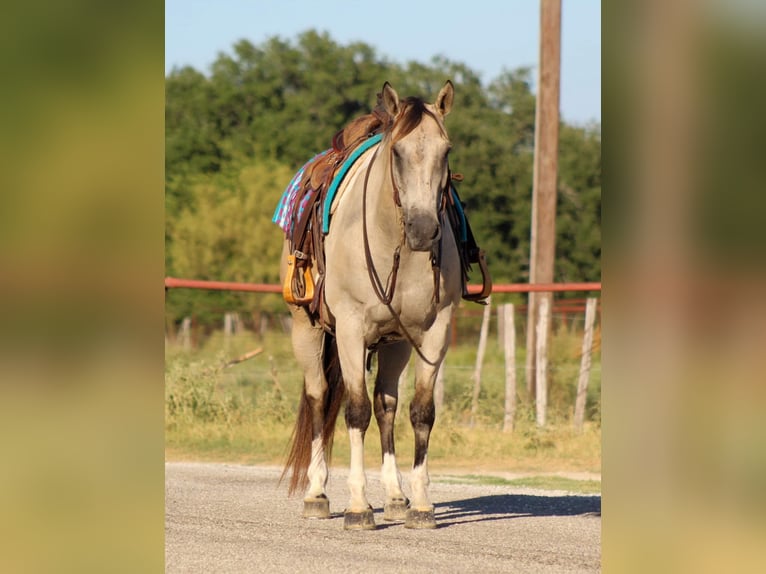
489,36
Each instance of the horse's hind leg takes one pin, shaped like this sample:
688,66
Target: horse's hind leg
392,359
308,347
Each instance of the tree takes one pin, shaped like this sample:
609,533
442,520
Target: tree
226,234
235,137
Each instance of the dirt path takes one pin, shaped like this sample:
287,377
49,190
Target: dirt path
234,518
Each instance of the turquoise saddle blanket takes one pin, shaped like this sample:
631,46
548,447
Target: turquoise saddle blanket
286,214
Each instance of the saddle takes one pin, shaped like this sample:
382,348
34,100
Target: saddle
306,240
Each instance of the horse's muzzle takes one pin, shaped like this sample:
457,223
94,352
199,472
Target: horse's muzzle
422,230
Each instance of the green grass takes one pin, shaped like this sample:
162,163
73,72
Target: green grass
245,413
541,482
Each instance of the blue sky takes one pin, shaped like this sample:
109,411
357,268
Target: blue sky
488,36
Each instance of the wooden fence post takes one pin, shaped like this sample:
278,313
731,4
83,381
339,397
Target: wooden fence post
185,333
480,360
500,326
585,362
541,374
509,350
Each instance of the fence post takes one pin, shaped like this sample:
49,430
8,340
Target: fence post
500,326
585,362
185,333
480,359
541,374
263,324
509,350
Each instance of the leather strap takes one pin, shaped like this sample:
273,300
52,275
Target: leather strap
385,295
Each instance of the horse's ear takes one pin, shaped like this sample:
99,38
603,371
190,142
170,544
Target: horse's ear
444,99
390,100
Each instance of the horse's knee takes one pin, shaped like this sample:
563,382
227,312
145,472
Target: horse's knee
422,412
358,413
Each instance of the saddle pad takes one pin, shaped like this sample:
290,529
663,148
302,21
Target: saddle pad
368,143
461,214
283,215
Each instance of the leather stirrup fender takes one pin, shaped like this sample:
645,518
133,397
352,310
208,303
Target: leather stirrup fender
486,283
298,287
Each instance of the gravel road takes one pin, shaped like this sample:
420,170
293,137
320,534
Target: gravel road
234,518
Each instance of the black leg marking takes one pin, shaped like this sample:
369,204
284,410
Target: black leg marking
422,417
385,412
358,412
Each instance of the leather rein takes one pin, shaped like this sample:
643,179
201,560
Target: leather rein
385,294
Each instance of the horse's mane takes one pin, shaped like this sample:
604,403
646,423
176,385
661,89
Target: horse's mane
413,110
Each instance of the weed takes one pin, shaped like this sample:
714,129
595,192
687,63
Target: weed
245,413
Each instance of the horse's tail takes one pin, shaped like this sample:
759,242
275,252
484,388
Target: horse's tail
299,458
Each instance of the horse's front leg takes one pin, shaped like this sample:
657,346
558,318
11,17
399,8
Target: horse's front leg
392,359
351,350
422,417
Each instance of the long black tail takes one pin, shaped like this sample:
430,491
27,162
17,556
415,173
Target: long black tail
299,458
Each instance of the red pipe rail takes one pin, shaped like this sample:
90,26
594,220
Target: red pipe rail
175,283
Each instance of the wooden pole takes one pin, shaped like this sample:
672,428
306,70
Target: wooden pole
241,358
480,360
228,329
185,333
585,362
500,325
509,351
541,375
543,225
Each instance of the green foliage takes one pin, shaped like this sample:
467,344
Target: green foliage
235,137
224,232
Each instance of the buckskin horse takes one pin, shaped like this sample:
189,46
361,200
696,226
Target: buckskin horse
392,277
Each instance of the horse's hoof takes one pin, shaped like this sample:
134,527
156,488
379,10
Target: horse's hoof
396,509
359,520
420,519
318,507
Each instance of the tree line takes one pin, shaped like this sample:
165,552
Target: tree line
234,136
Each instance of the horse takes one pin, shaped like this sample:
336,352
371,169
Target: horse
392,280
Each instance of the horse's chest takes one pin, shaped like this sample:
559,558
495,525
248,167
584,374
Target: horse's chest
417,315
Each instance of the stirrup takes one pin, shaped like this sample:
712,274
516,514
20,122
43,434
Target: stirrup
298,288
486,283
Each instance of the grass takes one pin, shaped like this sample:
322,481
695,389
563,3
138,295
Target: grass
539,482
245,413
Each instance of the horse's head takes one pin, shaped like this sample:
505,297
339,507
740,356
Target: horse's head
419,168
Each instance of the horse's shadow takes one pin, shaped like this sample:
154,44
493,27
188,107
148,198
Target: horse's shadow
509,506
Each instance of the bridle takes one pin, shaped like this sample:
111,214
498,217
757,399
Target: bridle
385,294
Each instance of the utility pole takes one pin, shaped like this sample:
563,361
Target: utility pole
543,235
